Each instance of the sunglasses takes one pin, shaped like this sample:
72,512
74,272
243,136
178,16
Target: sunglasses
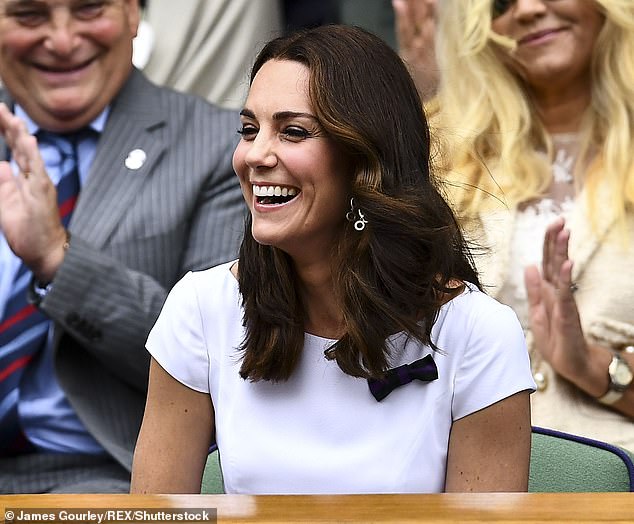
499,7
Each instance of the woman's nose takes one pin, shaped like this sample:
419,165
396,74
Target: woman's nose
529,8
261,152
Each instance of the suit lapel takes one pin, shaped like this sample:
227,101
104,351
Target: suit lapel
111,187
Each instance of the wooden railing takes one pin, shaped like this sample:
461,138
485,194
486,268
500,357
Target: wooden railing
508,508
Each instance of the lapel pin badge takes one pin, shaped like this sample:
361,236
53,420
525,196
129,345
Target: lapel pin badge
136,159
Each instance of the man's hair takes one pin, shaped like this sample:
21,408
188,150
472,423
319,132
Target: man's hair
492,134
395,274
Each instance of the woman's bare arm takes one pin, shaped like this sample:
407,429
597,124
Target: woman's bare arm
489,450
177,429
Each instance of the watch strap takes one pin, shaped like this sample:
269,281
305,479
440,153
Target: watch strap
611,396
615,391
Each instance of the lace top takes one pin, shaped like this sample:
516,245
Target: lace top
533,218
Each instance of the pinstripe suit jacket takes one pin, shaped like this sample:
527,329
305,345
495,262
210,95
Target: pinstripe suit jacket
134,234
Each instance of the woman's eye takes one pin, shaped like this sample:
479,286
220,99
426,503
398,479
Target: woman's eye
296,133
499,7
247,132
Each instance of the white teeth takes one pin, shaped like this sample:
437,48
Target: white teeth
263,191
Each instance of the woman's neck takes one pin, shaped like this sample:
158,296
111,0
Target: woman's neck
561,110
323,315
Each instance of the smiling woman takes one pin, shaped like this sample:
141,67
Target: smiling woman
552,43
353,325
538,95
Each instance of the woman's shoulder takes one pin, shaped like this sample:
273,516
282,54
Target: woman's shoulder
215,284
475,309
472,297
476,330
215,274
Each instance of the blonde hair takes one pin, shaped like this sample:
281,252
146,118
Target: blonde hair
488,125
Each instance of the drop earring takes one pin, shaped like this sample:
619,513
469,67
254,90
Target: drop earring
356,215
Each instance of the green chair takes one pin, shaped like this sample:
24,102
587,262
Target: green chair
561,462
212,482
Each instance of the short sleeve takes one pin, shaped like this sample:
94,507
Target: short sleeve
177,340
495,362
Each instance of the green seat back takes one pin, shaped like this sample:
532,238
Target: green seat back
212,476
561,462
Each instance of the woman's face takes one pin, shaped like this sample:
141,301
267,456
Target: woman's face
292,175
555,38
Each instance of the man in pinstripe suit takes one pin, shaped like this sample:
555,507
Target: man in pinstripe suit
158,198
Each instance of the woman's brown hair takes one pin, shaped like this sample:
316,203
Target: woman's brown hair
395,274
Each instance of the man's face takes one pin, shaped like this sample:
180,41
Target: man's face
64,61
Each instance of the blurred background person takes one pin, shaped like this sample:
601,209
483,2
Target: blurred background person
207,46
111,188
415,27
536,111
301,14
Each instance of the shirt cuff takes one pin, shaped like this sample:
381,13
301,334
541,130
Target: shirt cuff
39,291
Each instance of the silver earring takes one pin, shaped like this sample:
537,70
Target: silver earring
356,215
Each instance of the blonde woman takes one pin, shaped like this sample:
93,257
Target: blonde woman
536,107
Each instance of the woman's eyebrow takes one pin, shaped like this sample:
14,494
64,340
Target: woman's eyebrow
285,115
280,115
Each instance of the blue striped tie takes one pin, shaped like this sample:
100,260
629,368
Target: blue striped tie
23,328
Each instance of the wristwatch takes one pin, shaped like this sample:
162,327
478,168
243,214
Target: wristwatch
621,377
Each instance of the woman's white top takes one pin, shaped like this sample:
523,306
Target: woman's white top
322,431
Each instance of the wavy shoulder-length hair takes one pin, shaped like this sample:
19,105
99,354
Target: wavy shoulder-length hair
395,274
492,134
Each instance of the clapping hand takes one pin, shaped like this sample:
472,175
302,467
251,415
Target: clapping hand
29,215
415,25
554,317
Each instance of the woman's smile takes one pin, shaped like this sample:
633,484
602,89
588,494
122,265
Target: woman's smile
291,172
